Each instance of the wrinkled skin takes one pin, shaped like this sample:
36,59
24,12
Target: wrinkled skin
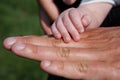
95,56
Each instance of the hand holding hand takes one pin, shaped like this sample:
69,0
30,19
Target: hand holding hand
72,22
49,11
95,56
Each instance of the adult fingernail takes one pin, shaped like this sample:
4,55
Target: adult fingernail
19,46
47,63
9,42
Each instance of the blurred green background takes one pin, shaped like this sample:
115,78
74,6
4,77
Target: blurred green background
17,18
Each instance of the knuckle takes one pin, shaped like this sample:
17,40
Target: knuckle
35,50
72,10
78,25
66,23
63,53
56,42
66,20
81,68
73,13
61,66
27,40
63,33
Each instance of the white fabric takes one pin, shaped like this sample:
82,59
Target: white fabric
84,2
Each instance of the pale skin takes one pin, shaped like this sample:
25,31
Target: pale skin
49,11
95,56
73,21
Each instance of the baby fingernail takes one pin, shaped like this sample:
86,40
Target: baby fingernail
67,39
82,30
77,37
19,46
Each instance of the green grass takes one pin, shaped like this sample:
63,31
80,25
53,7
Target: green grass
17,18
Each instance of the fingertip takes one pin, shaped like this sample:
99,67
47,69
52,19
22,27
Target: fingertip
49,67
57,35
67,39
82,30
76,38
8,42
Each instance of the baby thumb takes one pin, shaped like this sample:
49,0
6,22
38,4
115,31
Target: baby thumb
86,21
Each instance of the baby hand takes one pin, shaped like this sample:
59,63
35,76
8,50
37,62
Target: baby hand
70,24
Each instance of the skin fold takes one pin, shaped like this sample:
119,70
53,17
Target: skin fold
95,56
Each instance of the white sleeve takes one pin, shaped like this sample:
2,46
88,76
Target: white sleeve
84,2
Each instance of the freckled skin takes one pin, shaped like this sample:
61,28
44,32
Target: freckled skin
95,56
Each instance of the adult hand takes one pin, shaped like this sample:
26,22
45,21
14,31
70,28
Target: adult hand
95,56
